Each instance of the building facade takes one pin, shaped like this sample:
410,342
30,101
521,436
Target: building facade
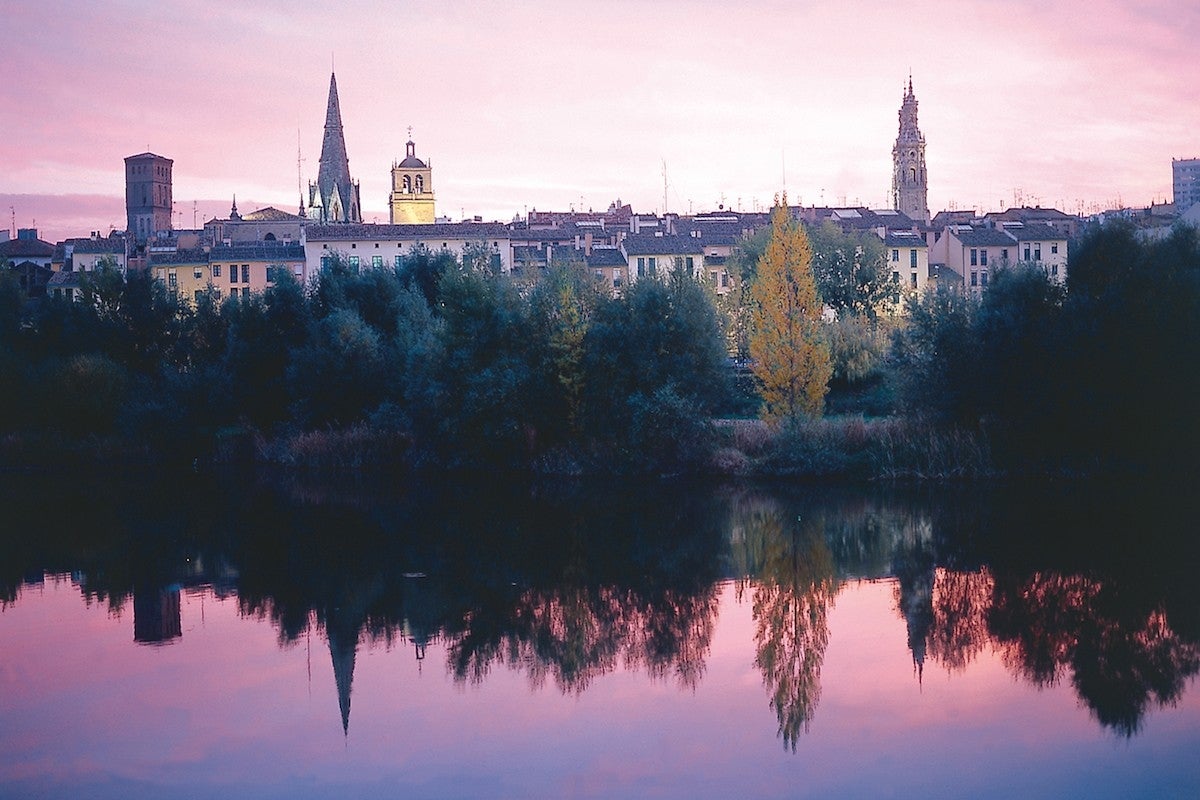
1185,183
910,182
411,198
378,246
148,199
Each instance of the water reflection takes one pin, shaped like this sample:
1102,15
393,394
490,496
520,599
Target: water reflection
566,584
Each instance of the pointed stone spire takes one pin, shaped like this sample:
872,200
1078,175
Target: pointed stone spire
233,212
334,171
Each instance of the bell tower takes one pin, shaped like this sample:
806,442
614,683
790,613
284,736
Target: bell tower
411,199
910,182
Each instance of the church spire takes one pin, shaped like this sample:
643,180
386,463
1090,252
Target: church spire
333,175
909,179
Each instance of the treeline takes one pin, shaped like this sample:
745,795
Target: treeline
435,364
1100,375
427,363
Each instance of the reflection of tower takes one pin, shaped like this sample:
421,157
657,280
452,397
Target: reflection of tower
910,182
343,646
156,616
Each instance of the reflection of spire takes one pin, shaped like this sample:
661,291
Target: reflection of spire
343,650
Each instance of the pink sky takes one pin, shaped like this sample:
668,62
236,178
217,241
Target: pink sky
520,105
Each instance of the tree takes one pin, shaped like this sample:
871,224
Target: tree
850,270
791,357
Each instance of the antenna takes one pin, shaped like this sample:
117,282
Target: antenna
664,163
299,180
783,168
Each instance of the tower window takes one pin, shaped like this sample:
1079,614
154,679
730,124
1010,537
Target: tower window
912,258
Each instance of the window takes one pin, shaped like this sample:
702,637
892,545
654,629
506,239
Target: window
233,274
1037,252
398,261
353,262
983,278
377,261
724,280
326,261
245,273
172,279
377,245
912,258
974,278
895,277
1054,249
233,293
641,273
197,273
652,265
1026,252
983,258
216,270
270,273
196,296
895,255
974,257
354,245
420,184
914,280
691,263
1054,270
1004,254
678,262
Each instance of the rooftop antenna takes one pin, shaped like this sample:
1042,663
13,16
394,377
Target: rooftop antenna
299,180
664,163
783,168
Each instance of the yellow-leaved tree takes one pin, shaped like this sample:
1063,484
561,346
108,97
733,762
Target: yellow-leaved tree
787,345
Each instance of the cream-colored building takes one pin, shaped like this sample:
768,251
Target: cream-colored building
1041,245
971,255
366,246
650,255
242,269
907,257
185,273
411,199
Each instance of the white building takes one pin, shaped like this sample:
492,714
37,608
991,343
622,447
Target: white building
365,246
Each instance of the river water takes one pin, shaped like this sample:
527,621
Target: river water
234,635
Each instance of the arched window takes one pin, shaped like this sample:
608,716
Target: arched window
270,237
420,185
912,174
407,184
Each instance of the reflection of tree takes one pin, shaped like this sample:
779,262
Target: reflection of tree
958,632
577,633
791,601
1123,658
